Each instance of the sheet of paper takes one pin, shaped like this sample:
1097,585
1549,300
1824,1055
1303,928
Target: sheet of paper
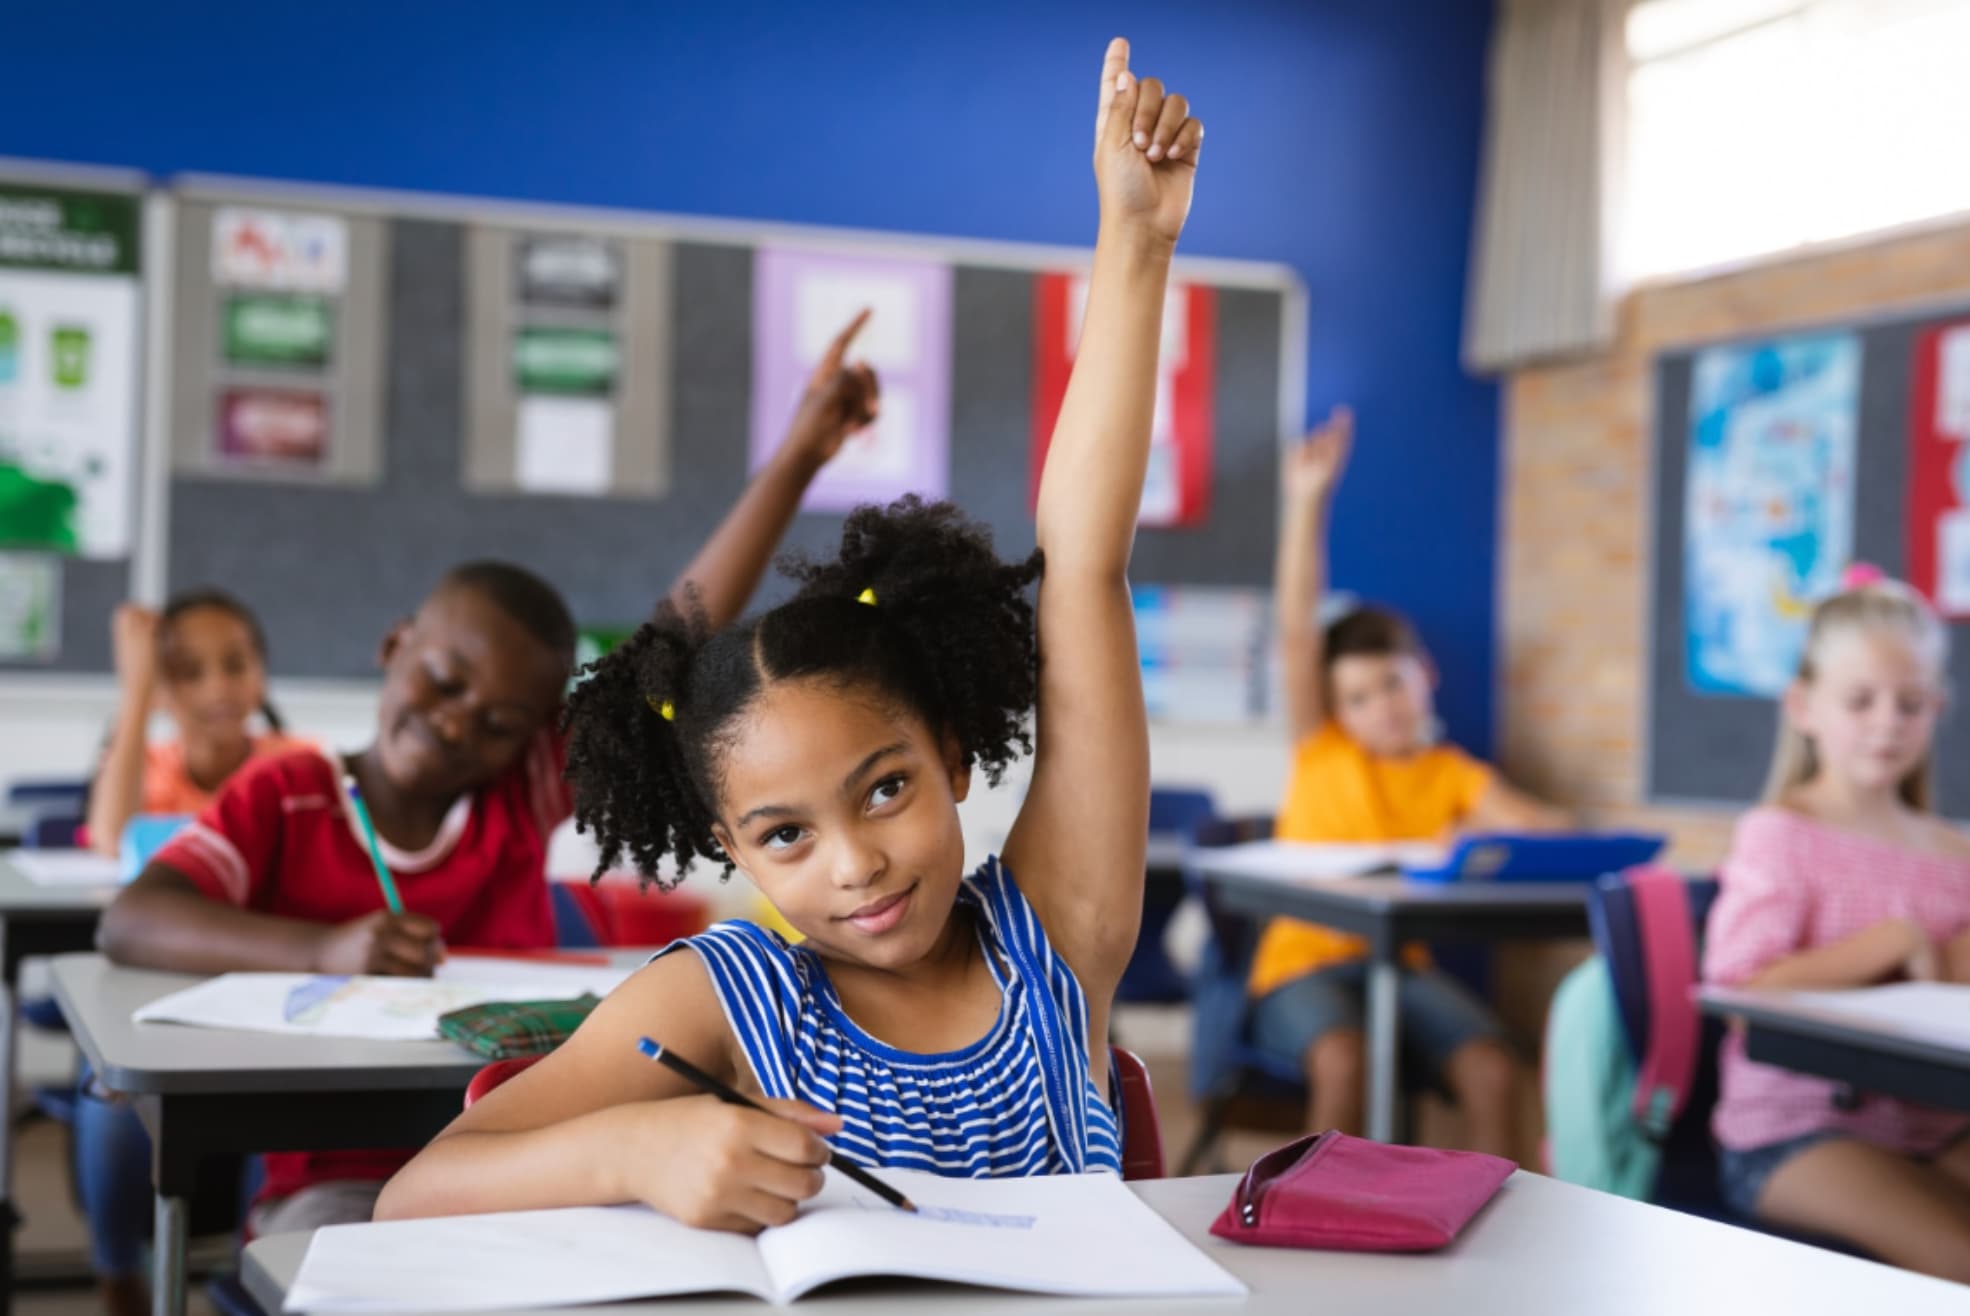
520,1260
1038,1235
1935,1010
565,444
66,867
1289,861
377,1009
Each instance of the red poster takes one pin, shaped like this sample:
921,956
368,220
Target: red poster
1177,490
1939,470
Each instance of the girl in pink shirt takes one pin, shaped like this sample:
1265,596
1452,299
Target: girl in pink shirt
1844,878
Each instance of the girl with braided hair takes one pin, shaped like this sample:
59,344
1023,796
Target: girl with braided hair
931,1018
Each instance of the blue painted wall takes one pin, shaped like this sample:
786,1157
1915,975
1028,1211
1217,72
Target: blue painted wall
1343,140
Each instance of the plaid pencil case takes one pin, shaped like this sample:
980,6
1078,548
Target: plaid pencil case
501,1030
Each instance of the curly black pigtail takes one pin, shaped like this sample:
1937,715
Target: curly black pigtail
626,759
964,615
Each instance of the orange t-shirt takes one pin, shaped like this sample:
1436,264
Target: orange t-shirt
168,786
1340,793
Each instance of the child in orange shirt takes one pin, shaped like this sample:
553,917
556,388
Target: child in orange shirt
203,660
1368,769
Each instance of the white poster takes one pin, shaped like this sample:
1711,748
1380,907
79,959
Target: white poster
68,411
281,250
30,607
565,444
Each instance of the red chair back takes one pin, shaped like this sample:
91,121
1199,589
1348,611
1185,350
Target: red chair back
494,1074
1142,1138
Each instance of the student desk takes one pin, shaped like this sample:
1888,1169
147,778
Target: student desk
1389,912
35,921
1905,1061
209,1092
1542,1248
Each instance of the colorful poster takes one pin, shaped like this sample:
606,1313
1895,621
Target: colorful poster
69,364
1769,504
1939,470
1176,489
271,427
277,331
280,251
569,271
30,607
801,301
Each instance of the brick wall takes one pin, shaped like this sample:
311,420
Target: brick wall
1576,517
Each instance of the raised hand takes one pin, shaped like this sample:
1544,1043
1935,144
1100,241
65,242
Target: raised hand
1145,148
840,399
1310,469
133,641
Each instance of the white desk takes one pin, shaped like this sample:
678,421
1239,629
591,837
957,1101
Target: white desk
1389,912
208,1092
1542,1248
1902,1060
35,921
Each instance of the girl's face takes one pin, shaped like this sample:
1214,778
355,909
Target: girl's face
212,676
844,814
1870,709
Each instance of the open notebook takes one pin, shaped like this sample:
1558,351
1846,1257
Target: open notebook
378,1009
1083,1234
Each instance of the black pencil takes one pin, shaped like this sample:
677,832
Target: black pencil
690,1073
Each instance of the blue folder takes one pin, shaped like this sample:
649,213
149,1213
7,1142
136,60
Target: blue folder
1569,857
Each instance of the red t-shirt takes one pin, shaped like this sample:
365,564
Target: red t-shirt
282,838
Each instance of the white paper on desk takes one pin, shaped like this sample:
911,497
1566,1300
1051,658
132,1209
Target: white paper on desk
1294,861
1069,1234
1938,1010
376,1009
66,867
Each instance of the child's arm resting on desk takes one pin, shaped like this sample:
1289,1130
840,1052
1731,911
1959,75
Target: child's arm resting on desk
188,911
1077,847
596,1124
1308,474
840,400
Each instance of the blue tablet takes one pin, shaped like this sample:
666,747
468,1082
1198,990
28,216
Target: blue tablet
1563,857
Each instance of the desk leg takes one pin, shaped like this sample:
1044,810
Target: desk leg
168,1256
10,1022
1384,1053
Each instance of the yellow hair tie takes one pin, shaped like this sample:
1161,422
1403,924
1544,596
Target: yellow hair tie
867,596
665,709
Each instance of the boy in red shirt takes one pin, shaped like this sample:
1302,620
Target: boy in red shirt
463,783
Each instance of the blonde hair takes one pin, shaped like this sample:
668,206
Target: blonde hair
1879,605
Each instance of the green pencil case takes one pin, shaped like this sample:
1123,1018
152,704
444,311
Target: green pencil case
502,1030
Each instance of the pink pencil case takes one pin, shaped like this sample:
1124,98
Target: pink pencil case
1349,1194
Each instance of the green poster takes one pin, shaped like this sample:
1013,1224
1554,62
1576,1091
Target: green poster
277,331
565,360
52,228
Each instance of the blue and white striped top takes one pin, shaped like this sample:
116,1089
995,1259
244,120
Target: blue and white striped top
1018,1101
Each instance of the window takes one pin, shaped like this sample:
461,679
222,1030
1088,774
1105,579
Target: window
1755,126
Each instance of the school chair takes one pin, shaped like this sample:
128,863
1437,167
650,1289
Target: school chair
51,831
620,911
52,795
1150,978
1142,1136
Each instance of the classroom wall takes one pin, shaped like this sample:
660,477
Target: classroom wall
1577,473
1343,141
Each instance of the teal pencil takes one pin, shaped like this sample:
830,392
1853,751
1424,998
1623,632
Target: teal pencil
383,878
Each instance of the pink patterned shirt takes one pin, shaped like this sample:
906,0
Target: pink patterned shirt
1792,883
